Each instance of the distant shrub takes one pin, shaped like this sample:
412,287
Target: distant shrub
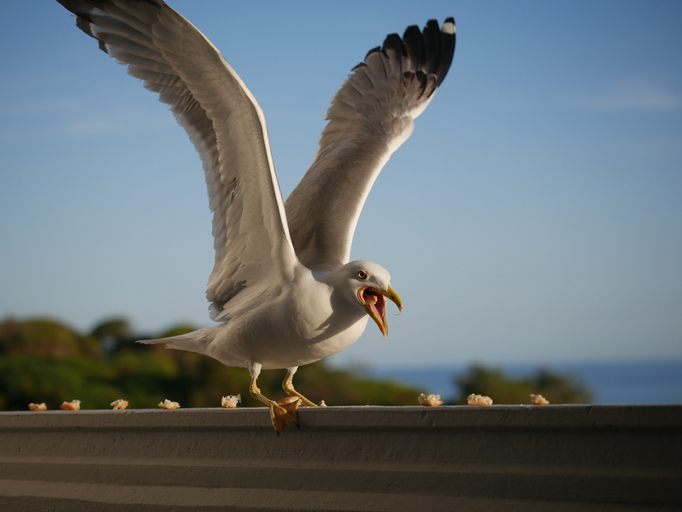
503,389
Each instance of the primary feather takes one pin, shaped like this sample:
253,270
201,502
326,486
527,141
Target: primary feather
371,116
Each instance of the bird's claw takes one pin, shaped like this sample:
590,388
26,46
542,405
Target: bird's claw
284,413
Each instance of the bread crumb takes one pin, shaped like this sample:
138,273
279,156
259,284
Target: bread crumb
322,404
230,401
474,399
538,400
431,400
37,407
119,404
74,405
167,404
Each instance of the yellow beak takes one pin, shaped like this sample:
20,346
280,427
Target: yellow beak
375,304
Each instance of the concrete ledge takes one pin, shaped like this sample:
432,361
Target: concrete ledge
559,458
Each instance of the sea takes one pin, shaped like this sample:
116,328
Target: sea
612,382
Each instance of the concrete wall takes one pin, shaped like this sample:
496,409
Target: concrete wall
553,458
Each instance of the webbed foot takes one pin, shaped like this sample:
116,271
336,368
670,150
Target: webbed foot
283,413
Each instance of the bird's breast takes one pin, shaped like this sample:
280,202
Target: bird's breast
304,323
301,326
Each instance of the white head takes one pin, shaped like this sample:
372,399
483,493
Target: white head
367,285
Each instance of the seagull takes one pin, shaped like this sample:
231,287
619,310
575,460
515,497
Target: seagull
283,291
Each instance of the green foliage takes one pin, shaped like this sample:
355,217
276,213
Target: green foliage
46,361
112,332
45,338
557,388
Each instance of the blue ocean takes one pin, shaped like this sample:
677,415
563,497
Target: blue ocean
647,382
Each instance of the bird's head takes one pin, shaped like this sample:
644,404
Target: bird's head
369,283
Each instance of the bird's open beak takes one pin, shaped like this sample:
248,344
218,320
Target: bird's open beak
375,303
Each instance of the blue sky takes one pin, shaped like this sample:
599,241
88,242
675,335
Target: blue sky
534,215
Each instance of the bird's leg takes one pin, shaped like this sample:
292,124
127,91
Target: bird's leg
288,386
279,416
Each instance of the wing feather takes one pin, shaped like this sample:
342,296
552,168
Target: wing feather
370,117
252,245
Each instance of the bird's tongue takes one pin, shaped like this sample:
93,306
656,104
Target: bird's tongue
375,301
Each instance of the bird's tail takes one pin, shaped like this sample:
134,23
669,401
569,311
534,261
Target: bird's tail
196,341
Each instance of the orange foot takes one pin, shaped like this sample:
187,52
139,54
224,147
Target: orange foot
284,413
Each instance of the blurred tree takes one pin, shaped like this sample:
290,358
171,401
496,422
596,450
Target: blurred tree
557,388
112,332
46,361
44,338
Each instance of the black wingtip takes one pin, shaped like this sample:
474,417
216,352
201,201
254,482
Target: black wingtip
395,43
448,41
373,50
430,50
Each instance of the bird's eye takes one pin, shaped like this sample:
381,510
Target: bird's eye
362,274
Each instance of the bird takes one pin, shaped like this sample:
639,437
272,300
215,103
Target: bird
283,291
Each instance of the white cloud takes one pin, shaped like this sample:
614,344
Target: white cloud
91,127
54,105
115,123
633,96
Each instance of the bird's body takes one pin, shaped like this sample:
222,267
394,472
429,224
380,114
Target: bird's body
306,321
282,290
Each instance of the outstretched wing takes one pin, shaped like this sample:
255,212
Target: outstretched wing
370,117
225,123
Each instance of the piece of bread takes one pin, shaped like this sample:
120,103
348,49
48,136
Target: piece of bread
119,404
167,404
37,407
430,400
74,405
538,400
230,401
474,399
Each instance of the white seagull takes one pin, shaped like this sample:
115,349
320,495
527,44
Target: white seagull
282,290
